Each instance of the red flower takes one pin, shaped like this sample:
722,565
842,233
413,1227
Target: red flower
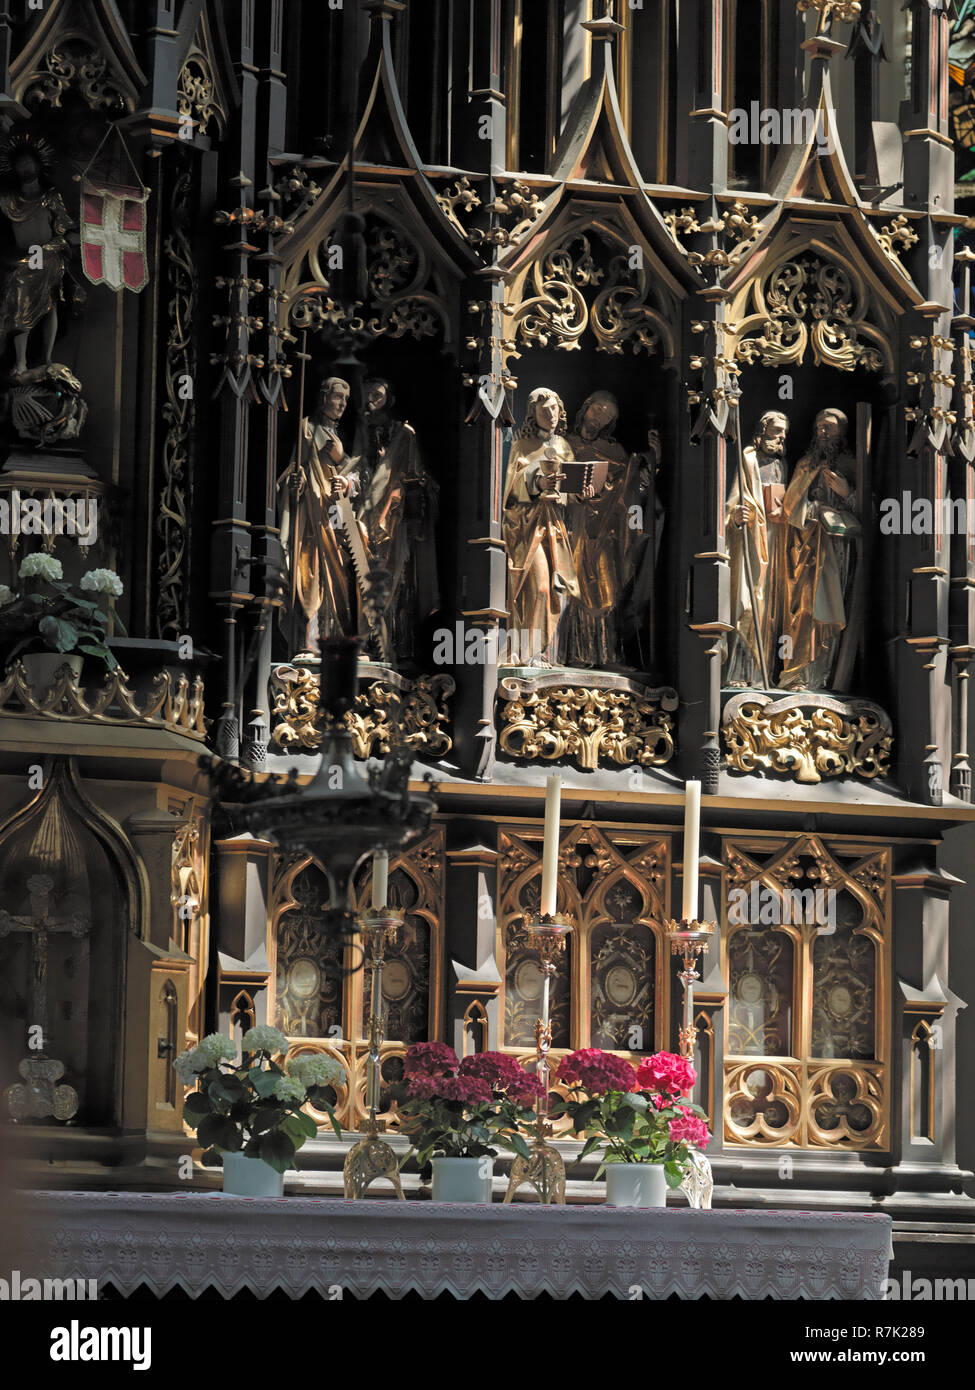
689,1129
430,1059
597,1071
497,1068
666,1072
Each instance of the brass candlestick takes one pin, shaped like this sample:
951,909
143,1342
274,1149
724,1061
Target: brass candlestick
544,1169
372,1157
689,940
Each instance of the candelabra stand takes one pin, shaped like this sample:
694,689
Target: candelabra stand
544,1169
690,939
372,1157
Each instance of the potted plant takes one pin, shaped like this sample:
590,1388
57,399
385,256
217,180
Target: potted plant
52,622
251,1112
638,1117
460,1113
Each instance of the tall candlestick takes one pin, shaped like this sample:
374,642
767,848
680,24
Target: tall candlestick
692,832
550,848
545,986
380,878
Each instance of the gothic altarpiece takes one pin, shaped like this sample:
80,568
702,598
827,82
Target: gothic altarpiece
523,430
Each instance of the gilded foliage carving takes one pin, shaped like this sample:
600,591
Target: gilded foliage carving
385,710
808,737
812,301
73,64
174,704
588,724
586,282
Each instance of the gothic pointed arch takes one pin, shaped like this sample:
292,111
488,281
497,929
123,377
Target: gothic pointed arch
81,46
206,89
72,888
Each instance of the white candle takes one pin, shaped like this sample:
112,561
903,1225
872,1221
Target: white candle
692,832
380,878
550,847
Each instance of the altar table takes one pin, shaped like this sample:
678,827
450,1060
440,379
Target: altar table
196,1240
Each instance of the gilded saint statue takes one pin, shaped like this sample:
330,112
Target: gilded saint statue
541,568
822,513
757,534
33,284
601,538
325,546
397,505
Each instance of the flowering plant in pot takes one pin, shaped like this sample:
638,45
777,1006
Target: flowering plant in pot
53,615
459,1113
254,1108
636,1116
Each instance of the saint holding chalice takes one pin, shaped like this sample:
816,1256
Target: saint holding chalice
541,569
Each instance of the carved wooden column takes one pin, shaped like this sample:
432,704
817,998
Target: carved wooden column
230,566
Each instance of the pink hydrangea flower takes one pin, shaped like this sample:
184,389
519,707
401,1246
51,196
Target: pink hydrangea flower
597,1071
666,1072
497,1068
430,1059
689,1129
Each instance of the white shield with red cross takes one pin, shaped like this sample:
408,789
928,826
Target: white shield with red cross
113,235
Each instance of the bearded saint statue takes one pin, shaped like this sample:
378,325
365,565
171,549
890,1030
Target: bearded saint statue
601,538
541,569
757,534
822,512
397,505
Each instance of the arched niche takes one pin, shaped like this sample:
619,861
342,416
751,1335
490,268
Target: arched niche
72,891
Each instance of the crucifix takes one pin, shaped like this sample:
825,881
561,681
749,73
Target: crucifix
39,1096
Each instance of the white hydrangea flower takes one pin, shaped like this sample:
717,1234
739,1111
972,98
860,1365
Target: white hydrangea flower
40,564
188,1064
317,1070
285,1089
264,1038
102,581
214,1048
6,594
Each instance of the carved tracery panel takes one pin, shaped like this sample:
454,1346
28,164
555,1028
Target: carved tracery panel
807,949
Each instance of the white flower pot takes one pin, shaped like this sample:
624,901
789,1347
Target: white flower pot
462,1179
251,1177
636,1185
42,667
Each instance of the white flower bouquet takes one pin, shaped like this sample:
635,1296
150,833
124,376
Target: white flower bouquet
51,614
256,1107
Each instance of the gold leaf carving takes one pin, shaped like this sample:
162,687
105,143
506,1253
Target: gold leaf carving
385,709
807,736
625,726
170,704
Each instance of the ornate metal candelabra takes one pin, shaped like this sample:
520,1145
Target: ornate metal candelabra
544,1169
689,940
372,1157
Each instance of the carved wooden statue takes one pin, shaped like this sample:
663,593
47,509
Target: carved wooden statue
541,568
397,504
823,514
318,536
757,537
601,538
39,221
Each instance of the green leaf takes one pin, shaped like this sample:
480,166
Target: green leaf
60,635
226,1089
306,1124
277,1150
674,1174
219,1132
295,1131
269,1118
593,1142
520,1147
264,1082
195,1106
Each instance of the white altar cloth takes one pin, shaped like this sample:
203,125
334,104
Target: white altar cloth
193,1240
